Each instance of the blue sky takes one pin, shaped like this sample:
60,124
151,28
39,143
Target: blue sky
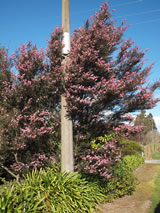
33,20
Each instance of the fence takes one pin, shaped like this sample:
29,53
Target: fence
151,148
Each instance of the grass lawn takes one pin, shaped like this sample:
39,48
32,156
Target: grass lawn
156,196
156,156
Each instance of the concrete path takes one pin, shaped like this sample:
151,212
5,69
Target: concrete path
152,161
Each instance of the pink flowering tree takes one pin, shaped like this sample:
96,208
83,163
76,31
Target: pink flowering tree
29,110
105,74
106,79
6,75
98,157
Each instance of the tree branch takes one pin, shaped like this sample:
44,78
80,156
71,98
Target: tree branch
10,172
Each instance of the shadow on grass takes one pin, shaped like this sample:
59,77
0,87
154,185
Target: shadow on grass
157,209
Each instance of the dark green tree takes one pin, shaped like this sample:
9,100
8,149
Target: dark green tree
145,120
150,122
148,135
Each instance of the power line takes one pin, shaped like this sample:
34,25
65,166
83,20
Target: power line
146,22
127,3
137,14
133,14
116,5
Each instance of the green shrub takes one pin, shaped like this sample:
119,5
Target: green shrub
98,142
7,199
121,183
51,191
130,147
133,161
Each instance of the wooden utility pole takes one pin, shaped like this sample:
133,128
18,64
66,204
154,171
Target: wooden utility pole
66,124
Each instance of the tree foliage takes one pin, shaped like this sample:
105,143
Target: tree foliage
107,75
26,112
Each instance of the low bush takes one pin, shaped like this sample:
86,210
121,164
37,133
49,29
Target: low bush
130,147
121,183
133,161
51,191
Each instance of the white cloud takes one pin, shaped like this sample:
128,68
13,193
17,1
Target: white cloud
157,121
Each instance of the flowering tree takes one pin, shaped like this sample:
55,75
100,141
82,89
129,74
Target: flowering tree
107,75
104,80
99,156
28,107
